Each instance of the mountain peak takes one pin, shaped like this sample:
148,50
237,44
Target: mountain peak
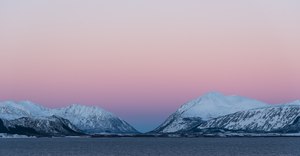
12,109
86,110
214,104
297,102
25,104
213,94
206,107
93,119
89,119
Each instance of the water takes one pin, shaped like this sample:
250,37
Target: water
287,146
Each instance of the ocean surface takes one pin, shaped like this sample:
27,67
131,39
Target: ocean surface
270,146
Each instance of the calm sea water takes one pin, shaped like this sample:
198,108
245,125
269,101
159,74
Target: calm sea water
151,146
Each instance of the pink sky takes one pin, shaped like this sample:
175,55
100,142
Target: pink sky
143,59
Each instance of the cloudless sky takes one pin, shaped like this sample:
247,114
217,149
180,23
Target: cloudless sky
143,59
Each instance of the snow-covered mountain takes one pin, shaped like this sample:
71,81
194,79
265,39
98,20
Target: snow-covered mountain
42,126
82,119
93,120
275,119
13,110
206,107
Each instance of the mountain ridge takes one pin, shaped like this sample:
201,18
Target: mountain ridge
87,119
210,114
281,119
206,107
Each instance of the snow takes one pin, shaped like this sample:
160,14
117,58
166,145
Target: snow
13,110
5,135
93,119
83,111
297,102
86,118
206,107
180,124
212,105
266,119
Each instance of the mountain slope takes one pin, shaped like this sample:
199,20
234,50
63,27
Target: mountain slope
89,120
275,119
48,126
204,108
93,120
13,110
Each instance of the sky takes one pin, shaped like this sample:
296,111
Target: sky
141,59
